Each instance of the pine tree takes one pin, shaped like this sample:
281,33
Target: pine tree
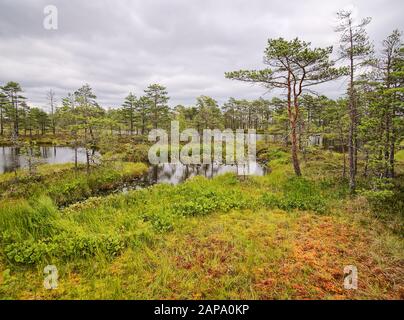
50,96
356,48
158,98
12,90
294,66
129,110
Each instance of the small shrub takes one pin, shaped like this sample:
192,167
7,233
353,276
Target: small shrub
63,246
136,153
271,200
297,193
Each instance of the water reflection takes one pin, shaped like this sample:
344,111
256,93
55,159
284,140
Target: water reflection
177,173
11,158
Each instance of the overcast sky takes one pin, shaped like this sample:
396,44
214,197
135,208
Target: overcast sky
186,45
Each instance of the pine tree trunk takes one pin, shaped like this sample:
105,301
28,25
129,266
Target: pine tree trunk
295,158
387,146
365,170
292,120
352,129
392,148
87,160
131,122
342,142
1,121
16,130
351,154
75,153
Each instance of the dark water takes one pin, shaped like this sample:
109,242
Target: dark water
177,173
11,158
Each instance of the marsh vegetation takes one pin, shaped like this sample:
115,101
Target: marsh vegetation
77,190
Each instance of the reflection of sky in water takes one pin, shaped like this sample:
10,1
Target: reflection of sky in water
176,173
11,158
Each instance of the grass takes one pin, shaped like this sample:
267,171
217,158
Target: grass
271,237
43,170
65,185
236,255
400,156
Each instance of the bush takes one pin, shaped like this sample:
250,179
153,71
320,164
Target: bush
298,193
136,153
66,192
384,196
271,200
64,246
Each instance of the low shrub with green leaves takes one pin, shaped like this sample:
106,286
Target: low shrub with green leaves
270,154
298,193
64,246
385,196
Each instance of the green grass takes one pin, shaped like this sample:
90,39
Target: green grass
65,185
399,156
109,224
43,170
241,254
271,237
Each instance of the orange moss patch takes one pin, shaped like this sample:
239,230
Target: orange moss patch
322,246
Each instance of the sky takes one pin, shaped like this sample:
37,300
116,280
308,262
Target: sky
122,46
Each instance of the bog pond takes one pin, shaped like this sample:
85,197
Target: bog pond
12,158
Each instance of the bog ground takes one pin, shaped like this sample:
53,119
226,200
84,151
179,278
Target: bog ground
270,237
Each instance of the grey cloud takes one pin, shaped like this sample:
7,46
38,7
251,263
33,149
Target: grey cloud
122,46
